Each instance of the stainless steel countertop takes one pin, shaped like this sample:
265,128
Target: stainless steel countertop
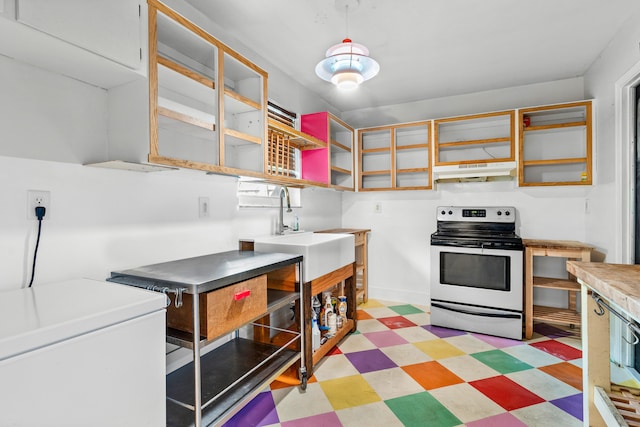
207,272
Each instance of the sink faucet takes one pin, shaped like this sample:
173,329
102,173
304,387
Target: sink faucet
281,227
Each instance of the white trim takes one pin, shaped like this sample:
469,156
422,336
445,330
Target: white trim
624,128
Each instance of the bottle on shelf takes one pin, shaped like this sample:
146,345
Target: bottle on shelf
342,307
316,305
328,308
315,334
331,321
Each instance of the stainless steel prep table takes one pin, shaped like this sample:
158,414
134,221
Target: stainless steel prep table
213,387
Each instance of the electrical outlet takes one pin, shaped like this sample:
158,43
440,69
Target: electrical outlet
37,198
203,203
377,207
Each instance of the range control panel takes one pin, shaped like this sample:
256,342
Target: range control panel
476,214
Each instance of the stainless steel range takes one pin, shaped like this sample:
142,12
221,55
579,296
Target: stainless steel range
476,271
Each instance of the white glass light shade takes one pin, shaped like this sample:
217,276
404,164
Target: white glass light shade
347,80
347,64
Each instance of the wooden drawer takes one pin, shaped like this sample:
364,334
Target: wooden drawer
360,238
222,310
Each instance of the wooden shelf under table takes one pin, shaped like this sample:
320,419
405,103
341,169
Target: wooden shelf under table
333,341
562,316
553,283
620,404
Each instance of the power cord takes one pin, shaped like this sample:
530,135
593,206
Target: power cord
40,213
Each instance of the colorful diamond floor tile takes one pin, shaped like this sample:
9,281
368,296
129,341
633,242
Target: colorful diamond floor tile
398,370
432,375
405,309
370,360
558,349
396,322
566,372
349,391
501,361
421,410
439,349
506,393
261,411
443,332
502,420
385,338
570,404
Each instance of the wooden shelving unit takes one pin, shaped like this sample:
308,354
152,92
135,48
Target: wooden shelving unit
395,157
478,138
555,145
552,248
196,121
333,164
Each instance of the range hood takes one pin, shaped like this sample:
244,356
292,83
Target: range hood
474,171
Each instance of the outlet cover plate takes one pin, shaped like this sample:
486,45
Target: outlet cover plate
38,198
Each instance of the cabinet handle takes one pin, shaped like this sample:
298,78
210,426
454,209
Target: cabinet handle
241,295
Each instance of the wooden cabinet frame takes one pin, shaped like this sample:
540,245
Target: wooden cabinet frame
223,133
552,248
394,149
551,127
510,138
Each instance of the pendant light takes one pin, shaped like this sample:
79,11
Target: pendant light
347,64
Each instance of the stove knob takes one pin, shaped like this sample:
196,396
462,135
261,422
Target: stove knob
499,213
507,213
450,213
442,212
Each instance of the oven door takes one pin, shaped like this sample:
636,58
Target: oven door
479,277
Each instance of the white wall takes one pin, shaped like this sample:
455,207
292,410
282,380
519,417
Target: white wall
100,219
399,249
399,265
103,220
604,228
481,102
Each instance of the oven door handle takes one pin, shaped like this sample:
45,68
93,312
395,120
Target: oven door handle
473,313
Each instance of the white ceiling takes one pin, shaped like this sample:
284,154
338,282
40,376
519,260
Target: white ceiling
427,48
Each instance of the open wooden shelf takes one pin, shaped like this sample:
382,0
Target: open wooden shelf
178,68
300,140
412,147
621,404
249,103
474,142
552,283
243,136
340,170
567,249
555,126
380,172
561,316
412,170
333,341
340,146
376,150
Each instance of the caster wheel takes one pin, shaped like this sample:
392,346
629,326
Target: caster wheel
303,379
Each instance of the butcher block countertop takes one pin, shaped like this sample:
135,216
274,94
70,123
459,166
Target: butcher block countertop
618,283
555,244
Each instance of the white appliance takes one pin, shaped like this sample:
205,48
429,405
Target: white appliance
476,271
82,352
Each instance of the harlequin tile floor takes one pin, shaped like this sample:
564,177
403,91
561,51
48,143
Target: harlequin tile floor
398,370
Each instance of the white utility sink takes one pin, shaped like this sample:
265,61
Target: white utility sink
322,252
